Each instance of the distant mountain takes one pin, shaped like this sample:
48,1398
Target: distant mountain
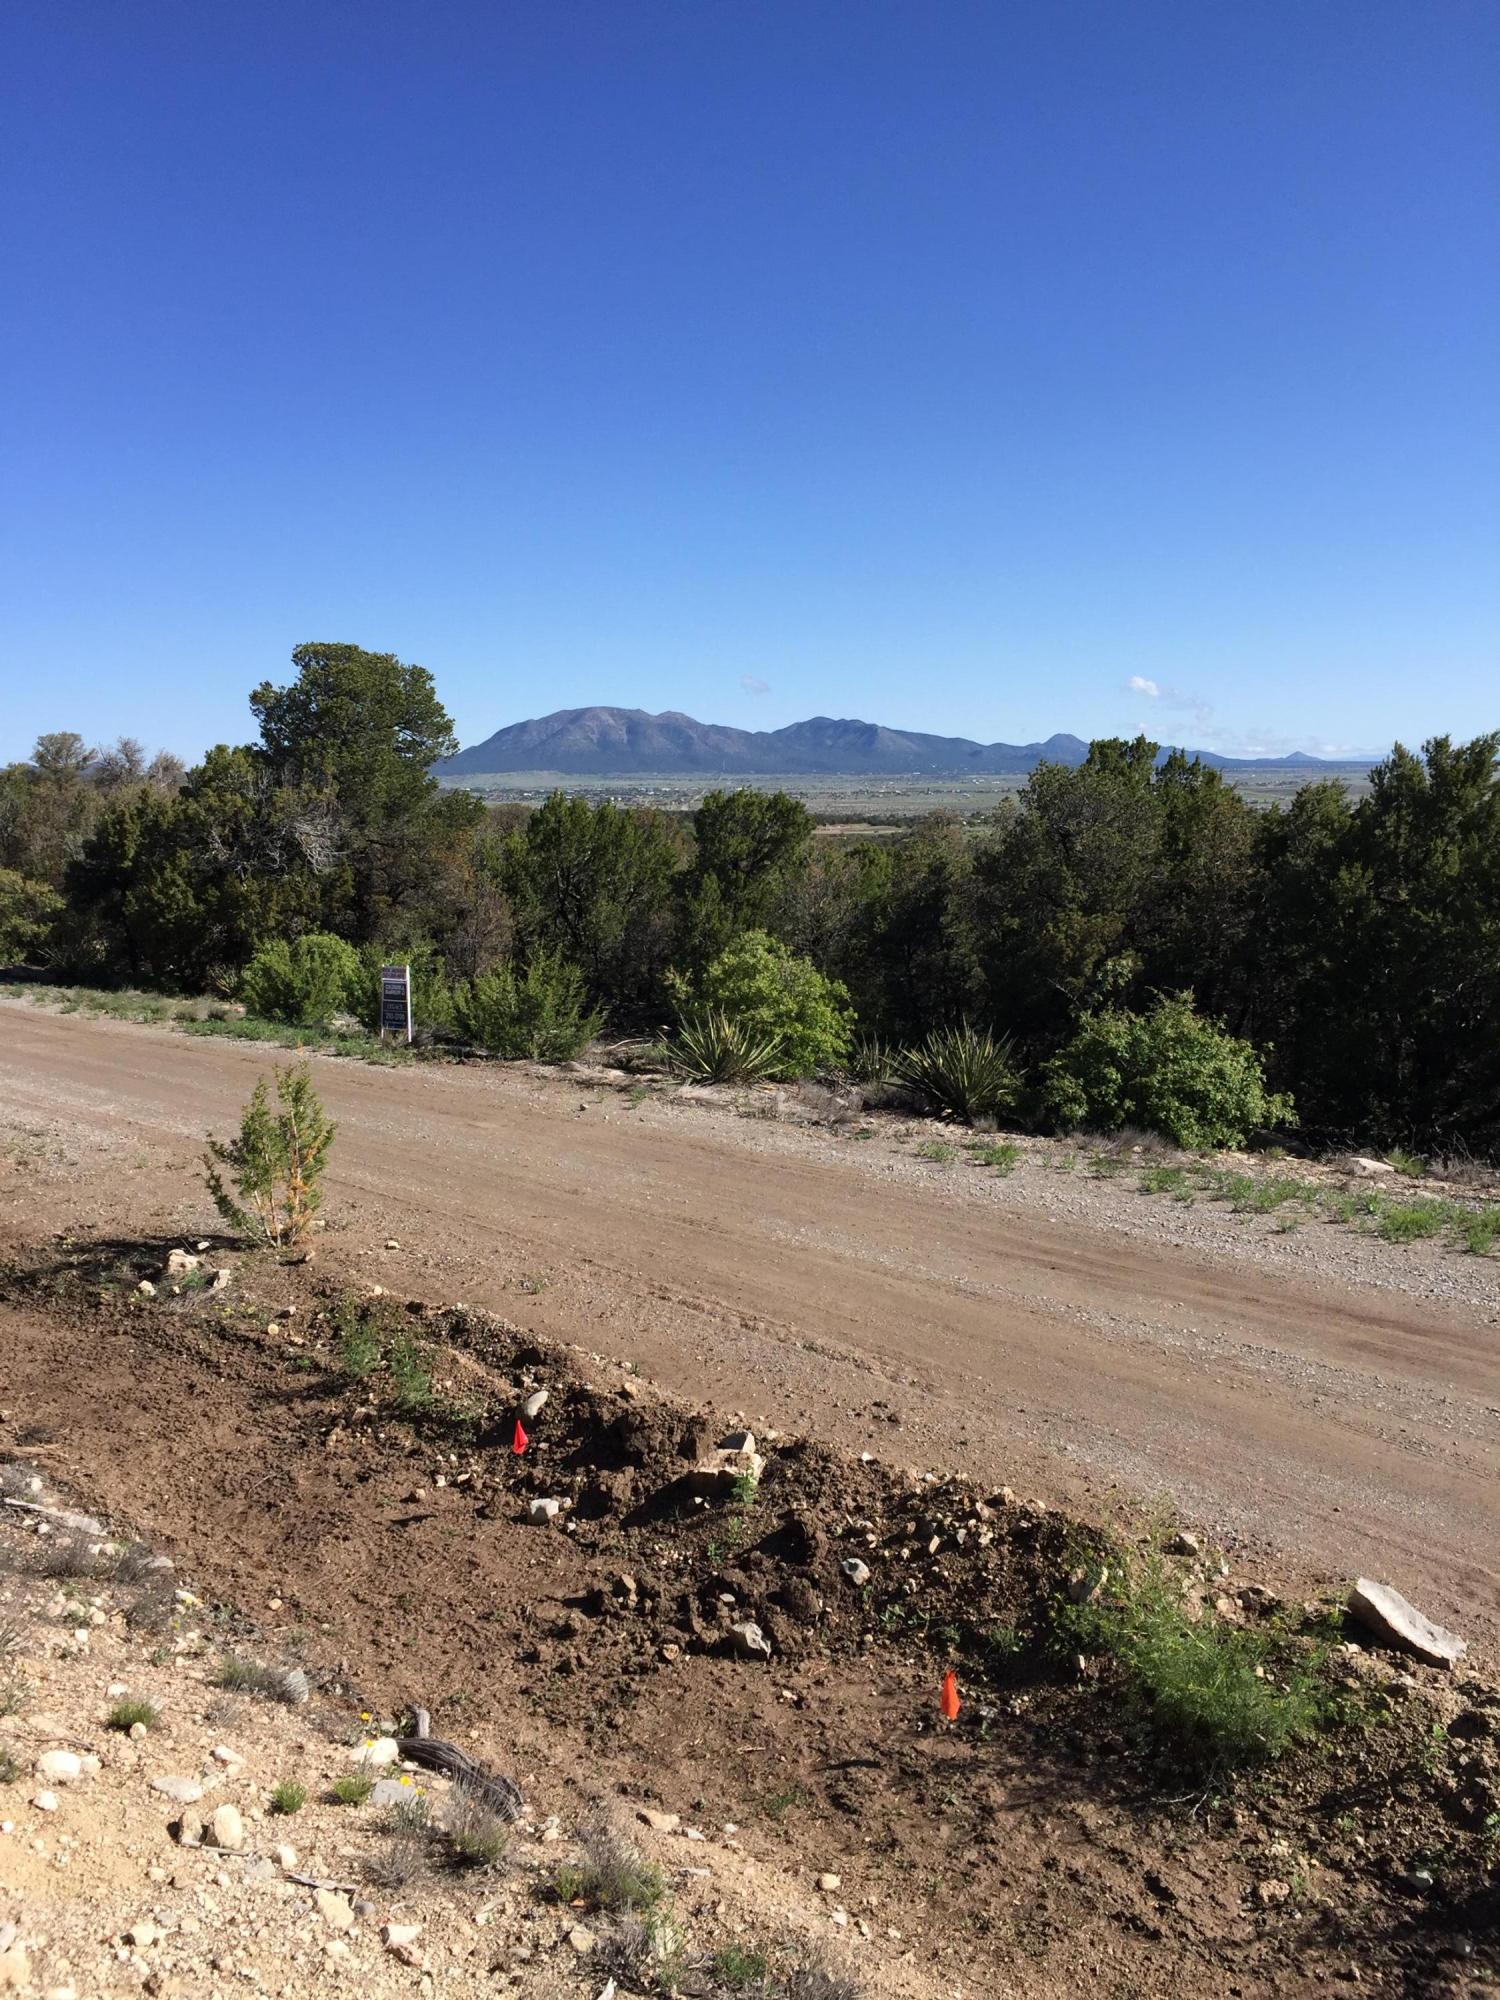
622,742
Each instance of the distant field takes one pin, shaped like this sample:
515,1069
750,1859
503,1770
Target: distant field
857,804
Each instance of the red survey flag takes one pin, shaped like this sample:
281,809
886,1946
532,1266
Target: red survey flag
948,1701
520,1441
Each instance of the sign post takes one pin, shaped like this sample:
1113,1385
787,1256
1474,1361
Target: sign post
395,1001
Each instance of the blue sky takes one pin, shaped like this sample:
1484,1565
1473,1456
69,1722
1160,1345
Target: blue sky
952,365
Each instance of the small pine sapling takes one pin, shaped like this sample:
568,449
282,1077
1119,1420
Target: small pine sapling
275,1164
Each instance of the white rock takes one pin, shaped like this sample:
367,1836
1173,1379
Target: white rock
334,1909
400,1934
142,1934
59,1767
534,1404
45,1801
1361,1164
828,1883
749,1641
227,1830
379,1755
220,1278
542,1511
857,1572
286,1855
1386,1612
146,1289
183,1791
179,1261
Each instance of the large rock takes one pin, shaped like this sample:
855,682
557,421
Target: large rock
1386,1613
719,1471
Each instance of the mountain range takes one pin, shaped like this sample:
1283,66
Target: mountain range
621,742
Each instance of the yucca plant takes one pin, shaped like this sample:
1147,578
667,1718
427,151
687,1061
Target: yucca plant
713,1047
965,1071
872,1059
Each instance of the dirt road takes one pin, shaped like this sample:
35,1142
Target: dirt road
817,1284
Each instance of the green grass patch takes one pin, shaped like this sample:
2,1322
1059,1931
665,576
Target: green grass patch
939,1151
352,1789
1410,1221
1002,1156
288,1797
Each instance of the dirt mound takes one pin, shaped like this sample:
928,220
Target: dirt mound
351,1461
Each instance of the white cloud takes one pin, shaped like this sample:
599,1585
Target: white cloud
1138,684
752,685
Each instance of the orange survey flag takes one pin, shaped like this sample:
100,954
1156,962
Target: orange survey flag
520,1441
948,1701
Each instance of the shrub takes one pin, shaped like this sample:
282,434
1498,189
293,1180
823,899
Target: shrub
353,1788
276,1162
288,1797
1214,1697
476,1833
712,1047
287,1685
1478,1230
541,1014
306,982
1170,1070
1002,1157
773,995
966,1072
29,912
613,1874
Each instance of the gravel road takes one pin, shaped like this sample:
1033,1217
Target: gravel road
1323,1399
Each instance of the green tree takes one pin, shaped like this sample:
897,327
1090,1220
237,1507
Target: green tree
541,1013
593,884
267,1181
747,847
28,913
305,982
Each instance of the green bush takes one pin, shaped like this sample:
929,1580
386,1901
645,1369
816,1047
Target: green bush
29,911
542,1014
306,982
965,1072
1213,1696
1171,1070
772,995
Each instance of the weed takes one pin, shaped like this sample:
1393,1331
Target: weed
1478,1229
1408,1222
818,1982
10,1767
939,1151
737,1969
476,1833
1214,1697
644,1953
403,1855
359,1345
287,1685
534,1283
776,1805
288,1797
1410,1164
1167,1180
1002,1156
353,1788
125,1715
613,1874
411,1378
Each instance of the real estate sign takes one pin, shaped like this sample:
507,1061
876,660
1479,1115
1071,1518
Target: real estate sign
395,1001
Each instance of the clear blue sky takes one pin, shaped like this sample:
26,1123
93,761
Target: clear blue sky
946,364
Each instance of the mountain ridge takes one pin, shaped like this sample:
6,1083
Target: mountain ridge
619,742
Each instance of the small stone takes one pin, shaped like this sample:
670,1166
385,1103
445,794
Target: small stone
179,1261
1271,1893
1386,1612
45,1801
659,1822
749,1641
59,1767
1363,1165
857,1572
540,1512
334,1909
400,1934
1185,1544
142,1934
534,1404
671,1652
222,1754
220,1279
393,1792
391,1243
15,1969
227,1830
146,1289
184,1791
138,1732
581,1938
286,1856
828,1883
